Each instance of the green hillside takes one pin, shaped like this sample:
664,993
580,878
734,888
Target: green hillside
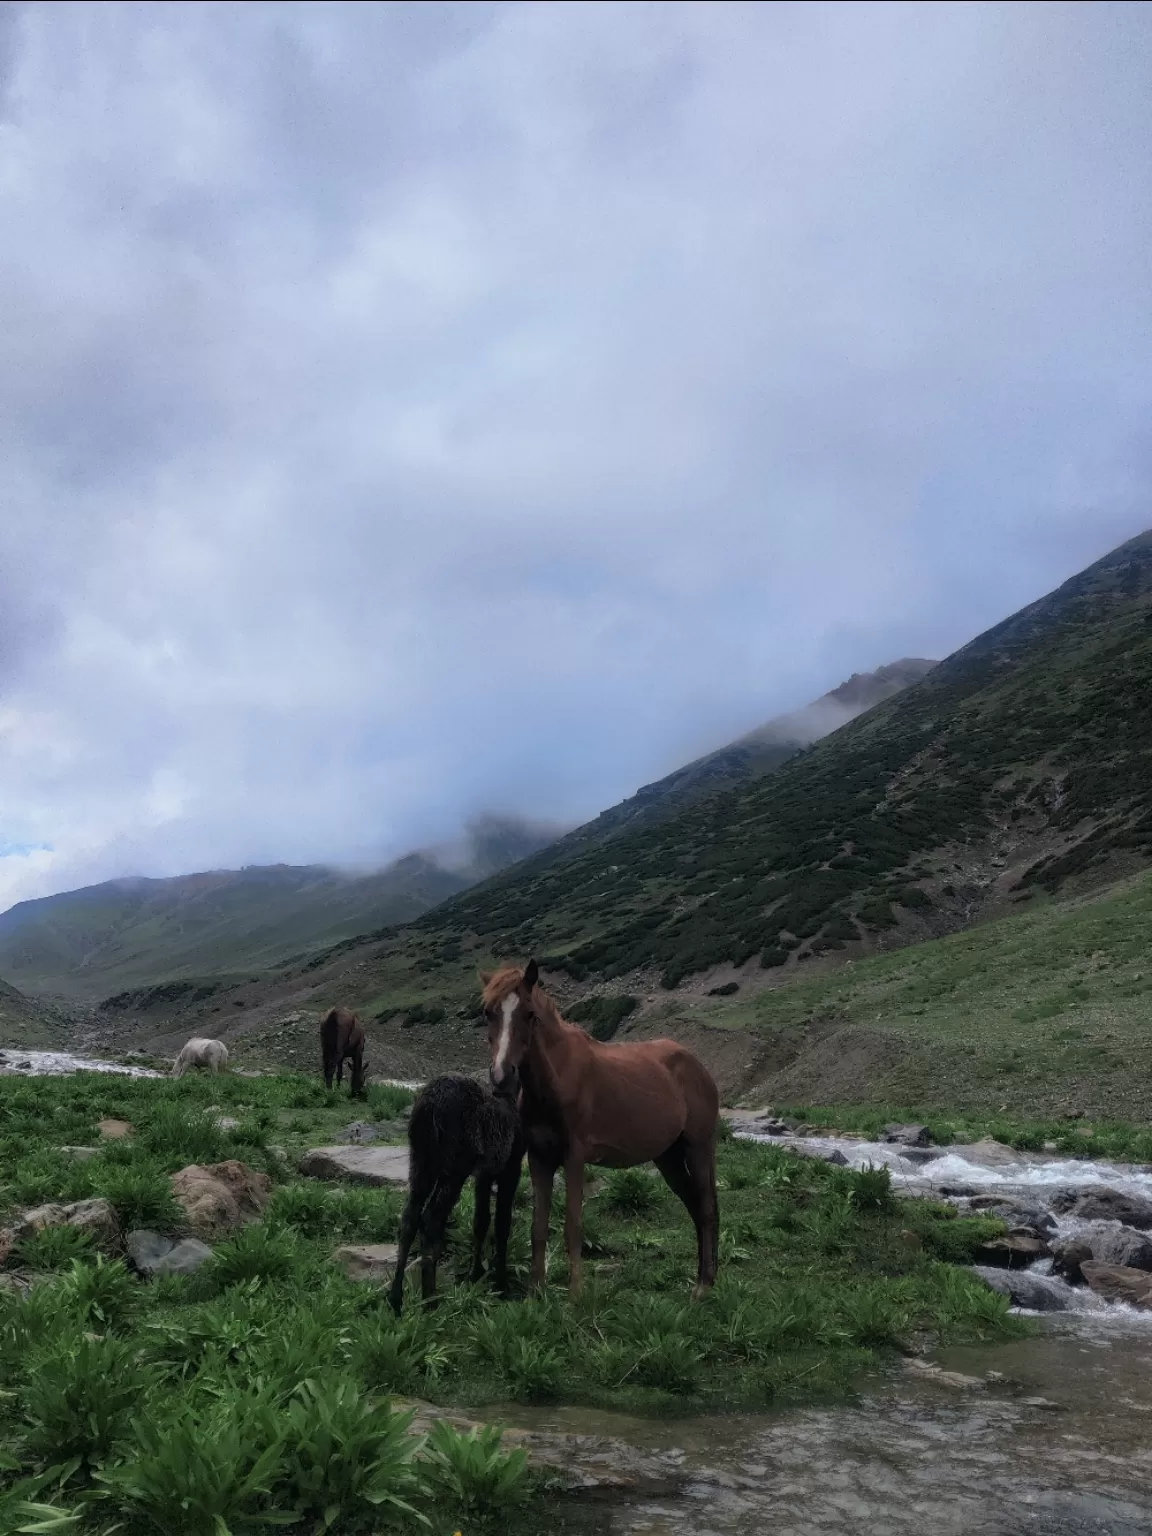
127,934
1017,764
28,1022
759,752
1043,1013
1015,771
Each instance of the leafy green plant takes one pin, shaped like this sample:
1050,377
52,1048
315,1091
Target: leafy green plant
179,1133
630,1192
874,1315
100,1294
871,1189
79,1395
202,1470
392,1355
53,1248
370,1215
141,1195
255,1253
387,1101
308,1208
523,1344
23,1512
344,1455
670,1361
471,1476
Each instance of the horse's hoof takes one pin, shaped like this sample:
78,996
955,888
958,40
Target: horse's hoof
701,1290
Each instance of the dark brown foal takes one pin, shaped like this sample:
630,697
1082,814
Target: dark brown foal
612,1105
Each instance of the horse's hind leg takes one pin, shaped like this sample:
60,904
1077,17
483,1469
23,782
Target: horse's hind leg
435,1224
506,1187
420,1191
676,1167
700,1159
481,1217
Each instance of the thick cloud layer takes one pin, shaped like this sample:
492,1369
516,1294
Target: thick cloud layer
412,410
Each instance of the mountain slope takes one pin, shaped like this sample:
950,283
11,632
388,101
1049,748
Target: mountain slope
132,933
1017,768
26,1021
1018,763
759,752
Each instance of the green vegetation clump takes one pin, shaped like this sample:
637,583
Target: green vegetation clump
603,1015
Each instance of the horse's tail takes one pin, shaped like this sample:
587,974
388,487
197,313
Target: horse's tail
429,1141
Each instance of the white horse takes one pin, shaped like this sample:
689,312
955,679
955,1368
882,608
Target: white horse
212,1055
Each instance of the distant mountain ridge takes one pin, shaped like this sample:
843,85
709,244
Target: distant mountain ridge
758,752
134,931
128,934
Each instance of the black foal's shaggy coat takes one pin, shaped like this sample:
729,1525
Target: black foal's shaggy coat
458,1130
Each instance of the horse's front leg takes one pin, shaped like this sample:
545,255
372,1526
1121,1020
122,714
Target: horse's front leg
574,1222
481,1216
506,1185
542,1176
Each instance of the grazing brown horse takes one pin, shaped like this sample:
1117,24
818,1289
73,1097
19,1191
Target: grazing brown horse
342,1039
613,1105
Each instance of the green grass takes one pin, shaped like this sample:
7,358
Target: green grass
268,1376
1036,1016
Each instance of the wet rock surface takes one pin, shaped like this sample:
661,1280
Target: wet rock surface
1035,1293
907,1135
362,1165
1105,1205
360,1132
1016,1250
367,1261
1116,1283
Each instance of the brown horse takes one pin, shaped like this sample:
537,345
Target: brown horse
342,1039
612,1105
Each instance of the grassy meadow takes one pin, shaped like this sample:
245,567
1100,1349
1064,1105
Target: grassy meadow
269,1389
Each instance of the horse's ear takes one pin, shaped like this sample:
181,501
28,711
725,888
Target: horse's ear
531,974
485,977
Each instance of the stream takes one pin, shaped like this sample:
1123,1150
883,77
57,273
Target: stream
1051,1434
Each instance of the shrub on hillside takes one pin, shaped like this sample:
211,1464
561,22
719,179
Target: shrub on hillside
603,1015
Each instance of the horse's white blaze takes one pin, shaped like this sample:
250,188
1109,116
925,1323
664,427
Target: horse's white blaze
508,1009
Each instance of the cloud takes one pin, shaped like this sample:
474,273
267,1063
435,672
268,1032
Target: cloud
412,411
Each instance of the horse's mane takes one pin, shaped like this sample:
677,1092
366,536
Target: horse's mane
507,979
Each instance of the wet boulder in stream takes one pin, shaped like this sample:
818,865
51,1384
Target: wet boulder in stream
907,1135
1105,1242
1115,1282
1104,1205
1036,1293
1015,1250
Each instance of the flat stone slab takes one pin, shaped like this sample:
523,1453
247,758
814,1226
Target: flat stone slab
363,1165
367,1261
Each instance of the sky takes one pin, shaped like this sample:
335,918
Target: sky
412,411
